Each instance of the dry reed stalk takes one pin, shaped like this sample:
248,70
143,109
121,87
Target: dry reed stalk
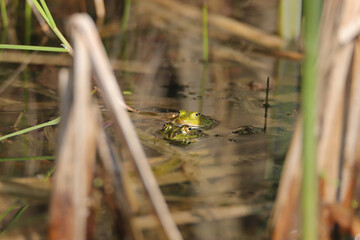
335,59
100,12
350,24
350,31
331,129
332,116
331,16
64,60
345,217
336,153
25,188
289,190
296,56
199,215
17,107
82,24
69,210
226,24
353,123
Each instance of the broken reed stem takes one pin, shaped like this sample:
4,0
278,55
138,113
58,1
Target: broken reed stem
115,103
289,187
70,211
352,131
100,12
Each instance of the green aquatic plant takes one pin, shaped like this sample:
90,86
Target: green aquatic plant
308,100
32,48
20,159
27,23
29,129
205,32
17,215
126,16
4,19
45,13
36,127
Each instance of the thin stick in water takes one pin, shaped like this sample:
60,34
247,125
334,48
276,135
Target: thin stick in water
266,105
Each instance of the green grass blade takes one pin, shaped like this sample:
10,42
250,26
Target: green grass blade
48,14
27,23
4,14
48,174
6,212
309,195
41,10
126,15
45,13
205,33
21,159
33,48
26,130
63,40
17,216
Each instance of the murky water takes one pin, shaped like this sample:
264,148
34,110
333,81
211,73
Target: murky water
227,180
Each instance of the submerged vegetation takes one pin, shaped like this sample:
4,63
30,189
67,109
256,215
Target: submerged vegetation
212,171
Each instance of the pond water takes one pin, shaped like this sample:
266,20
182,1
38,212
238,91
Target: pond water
227,179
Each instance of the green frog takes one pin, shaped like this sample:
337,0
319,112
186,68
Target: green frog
193,119
180,134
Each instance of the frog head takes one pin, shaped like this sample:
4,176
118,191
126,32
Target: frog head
194,119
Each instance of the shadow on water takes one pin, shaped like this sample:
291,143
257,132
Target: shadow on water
228,178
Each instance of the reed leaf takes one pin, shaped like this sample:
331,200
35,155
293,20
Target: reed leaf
32,48
20,159
48,14
26,130
41,11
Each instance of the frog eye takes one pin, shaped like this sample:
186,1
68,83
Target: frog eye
182,112
195,115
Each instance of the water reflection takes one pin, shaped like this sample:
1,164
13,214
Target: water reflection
227,168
